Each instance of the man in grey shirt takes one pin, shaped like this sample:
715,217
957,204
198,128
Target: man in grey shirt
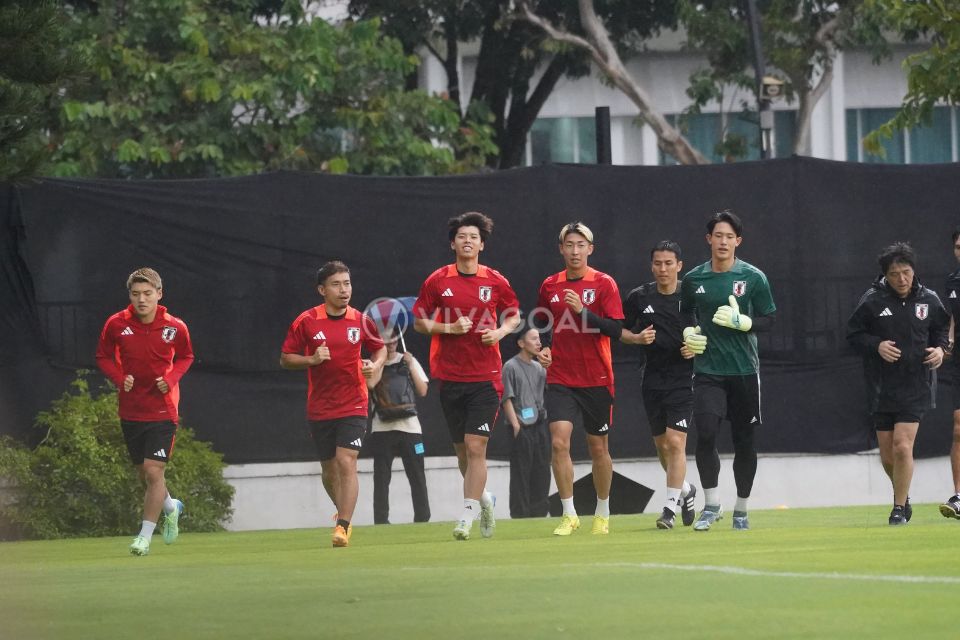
524,383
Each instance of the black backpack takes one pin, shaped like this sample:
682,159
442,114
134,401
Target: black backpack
395,396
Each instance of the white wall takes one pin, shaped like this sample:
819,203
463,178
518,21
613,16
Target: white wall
290,495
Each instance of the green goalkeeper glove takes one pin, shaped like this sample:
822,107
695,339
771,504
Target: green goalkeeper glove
730,317
694,340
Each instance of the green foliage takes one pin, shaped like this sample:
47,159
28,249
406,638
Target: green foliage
799,40
933,75
202,88
34,57
79,481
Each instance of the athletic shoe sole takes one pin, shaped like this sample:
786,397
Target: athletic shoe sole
948,511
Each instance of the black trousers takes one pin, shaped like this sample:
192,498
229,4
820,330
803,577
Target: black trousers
386,445
530,471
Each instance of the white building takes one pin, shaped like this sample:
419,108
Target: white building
863,95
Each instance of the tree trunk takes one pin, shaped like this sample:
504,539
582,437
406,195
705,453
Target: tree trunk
524,111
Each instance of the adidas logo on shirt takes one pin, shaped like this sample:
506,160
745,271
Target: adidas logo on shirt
447,293
484,427
357,443
319,336
700,289
753,420
127,332
886,312
162,453
555,298
649,309
603,429
953,294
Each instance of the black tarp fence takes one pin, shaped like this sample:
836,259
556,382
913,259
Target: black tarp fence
238,257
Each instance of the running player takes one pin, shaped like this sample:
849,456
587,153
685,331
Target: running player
326,341
654,321
584,307
951,508
732,301
145,351
458,306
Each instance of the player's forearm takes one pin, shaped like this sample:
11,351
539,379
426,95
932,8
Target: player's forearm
608,326
295,361
180,367
764,323
430,327
111,369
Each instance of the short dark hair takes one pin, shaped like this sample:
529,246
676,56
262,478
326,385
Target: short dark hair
525,328
726,216
471,219
956,234
898,252
667,245
331,268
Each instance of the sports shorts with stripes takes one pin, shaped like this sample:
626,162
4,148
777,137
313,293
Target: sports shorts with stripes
346,433
590,408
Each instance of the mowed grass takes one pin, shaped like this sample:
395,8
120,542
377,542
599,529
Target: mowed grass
805,573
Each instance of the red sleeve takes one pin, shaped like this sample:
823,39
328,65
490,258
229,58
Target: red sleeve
371,338
294,342
427,301
508,298
183,356
542,302
107,356
612,306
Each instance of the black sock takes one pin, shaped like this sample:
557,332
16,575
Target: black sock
343,523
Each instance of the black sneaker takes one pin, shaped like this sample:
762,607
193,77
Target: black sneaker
666,519
687,512
898,515
951,508
907,510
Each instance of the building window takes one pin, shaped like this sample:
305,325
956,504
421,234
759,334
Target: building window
706,131
936,142
562,140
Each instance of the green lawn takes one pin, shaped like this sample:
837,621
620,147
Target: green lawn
803,573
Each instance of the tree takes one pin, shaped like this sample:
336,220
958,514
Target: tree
597,42
34,58
933,75
518,65
205,88
800,39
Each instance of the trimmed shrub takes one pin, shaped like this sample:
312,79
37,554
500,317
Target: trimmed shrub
79,481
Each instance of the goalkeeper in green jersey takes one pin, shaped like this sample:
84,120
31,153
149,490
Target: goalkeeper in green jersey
732,301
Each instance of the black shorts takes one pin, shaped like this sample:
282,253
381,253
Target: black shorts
149,440
736,398
346,433
668,408
469,407
588,407
956,389
884,421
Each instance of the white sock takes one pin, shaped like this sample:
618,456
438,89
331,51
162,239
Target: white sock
146,529
673,499
603,507
567,504
471,509
486,500
741,504
169,505
711,497
685,489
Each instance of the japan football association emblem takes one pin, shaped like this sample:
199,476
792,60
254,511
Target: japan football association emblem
168,334
353,334
739,287
485,293
589,295
922,310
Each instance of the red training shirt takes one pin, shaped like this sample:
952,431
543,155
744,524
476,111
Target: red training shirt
160,349
446,296
336,387
581,354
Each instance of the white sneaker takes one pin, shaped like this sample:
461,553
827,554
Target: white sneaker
462,530
488,521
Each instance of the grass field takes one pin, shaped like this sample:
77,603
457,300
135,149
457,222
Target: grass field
805,573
